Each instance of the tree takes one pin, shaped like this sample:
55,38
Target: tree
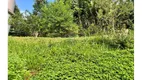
17,22
58,19
38,5
75,17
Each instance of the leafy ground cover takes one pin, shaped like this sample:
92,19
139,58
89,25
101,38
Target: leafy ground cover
85,58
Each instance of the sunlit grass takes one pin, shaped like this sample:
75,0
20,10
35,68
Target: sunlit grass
80,58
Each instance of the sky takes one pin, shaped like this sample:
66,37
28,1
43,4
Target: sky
26,4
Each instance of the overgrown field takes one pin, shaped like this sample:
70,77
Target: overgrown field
86,58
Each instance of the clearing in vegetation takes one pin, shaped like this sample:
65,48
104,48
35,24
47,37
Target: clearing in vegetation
86,58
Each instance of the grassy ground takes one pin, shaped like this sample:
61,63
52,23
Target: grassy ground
85,58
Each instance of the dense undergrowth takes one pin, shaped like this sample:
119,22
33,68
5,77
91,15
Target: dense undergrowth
85,58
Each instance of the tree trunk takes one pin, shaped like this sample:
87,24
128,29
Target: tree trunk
35,34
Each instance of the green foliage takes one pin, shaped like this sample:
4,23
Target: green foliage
59,19
67,18
86,58
19,24
108,55
16,66
38,5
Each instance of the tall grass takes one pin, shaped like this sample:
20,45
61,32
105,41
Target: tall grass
86,58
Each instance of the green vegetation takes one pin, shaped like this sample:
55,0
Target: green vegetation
82,58
77,40
71,18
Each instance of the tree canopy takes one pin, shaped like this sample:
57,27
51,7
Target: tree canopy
66,18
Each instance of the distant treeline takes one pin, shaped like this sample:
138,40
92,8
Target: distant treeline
69,18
